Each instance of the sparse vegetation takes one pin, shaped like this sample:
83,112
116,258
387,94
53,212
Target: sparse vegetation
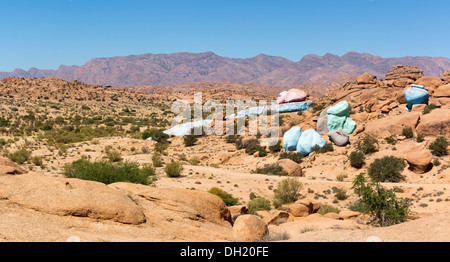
367,144
20,156
294,156
325,208
439,146
288,190
407,132
109,172
271,169
173,169
328,147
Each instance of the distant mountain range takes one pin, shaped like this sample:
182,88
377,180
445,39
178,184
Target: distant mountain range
184,68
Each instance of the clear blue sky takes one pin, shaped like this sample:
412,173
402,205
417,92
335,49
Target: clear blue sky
48,33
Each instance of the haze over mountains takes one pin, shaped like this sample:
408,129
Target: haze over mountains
183,68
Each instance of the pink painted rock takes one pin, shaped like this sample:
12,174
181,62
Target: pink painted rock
292,95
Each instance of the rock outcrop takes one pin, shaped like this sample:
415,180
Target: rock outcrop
249,228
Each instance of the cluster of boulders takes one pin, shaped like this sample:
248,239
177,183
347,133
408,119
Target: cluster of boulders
251,228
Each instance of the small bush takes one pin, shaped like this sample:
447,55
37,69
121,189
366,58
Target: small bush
228,199
420,137
20,156
194,161
190,140
173,169
276,148
325,208
258,204
156,135
252,146
294,156
288,190
156,160
38,160
407,132
387,169
439,146
391,140
328,147
436,162
108,172
380,203
367,144
428,108
271,169
357,159
231,139
114,156
340,193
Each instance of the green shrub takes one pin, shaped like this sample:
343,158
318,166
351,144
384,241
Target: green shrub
428,108
271,169
367,144
294,156
325,208
288,190
328,147
407,132
420,137
439,146
156,160
109,172
380,203
276,148
20,156
391,140
173,169
114,156
194,161
340,193
258,204
252,146
156,135
38,160
228,199
387,169
357,159
231,139
190,140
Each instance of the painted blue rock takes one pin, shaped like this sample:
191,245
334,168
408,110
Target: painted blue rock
308,140
291,137
416,95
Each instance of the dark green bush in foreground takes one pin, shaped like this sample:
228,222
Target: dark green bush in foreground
380,203
109,172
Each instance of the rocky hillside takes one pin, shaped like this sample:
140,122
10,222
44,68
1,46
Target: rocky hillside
40,200
185,68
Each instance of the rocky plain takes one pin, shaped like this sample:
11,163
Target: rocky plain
48,124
